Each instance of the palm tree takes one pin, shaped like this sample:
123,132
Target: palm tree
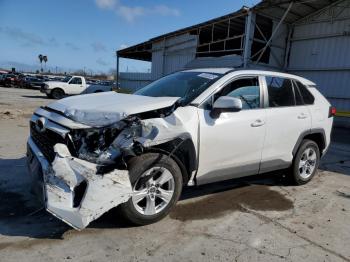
41,61
45,60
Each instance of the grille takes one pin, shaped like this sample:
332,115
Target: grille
46,141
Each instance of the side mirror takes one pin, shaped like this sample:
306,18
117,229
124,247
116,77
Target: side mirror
225,104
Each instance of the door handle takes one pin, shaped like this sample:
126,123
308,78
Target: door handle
257,123
302,116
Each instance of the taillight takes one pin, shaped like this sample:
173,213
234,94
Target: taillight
332,111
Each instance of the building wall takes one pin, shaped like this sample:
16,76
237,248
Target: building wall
172,54
133,81
320,51
168,56
278,45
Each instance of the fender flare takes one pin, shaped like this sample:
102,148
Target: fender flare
309,132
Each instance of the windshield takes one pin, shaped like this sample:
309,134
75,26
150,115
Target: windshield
66,79
187,85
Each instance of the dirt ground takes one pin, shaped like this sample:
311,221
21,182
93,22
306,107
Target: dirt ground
257,219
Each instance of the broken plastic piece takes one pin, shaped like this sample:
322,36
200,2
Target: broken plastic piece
102,192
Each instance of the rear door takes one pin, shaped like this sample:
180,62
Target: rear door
286,120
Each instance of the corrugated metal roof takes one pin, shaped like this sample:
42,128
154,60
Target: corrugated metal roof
271,8
129,50
299,10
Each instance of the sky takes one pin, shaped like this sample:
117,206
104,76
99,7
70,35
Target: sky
85,34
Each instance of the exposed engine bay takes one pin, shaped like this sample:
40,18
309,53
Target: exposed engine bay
108,145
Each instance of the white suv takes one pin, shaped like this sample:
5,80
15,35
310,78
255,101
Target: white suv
90,153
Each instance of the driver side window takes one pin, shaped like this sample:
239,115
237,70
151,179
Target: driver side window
76,81
245,89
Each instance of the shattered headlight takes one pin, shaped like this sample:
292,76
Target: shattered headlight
104,146
91,143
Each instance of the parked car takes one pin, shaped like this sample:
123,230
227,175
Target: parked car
18,80
71,85
90,81
32,82
10,80
2,79
91,153
57,78
106,83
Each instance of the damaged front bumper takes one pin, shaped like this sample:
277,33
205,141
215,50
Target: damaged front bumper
71,188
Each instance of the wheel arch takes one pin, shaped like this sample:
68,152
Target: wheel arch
318,135
182,151
57,88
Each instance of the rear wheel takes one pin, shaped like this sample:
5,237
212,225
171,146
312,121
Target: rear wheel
157,183
305,162
57,93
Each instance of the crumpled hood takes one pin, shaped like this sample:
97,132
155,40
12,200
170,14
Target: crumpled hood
105,108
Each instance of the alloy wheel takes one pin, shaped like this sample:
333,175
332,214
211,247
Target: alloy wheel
151,196
307,163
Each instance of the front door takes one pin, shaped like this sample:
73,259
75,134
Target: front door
231,145
75,86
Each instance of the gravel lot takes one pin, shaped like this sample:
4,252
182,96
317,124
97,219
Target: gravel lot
255,219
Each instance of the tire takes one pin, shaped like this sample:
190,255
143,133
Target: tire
57,93
305,162
137,210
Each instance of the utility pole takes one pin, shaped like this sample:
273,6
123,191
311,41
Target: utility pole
117,73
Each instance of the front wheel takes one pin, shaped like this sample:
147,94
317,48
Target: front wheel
57,93
157,184
305,162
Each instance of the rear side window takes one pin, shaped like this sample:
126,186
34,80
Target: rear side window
308,98
280,91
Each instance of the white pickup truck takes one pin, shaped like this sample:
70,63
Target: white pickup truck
72,85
